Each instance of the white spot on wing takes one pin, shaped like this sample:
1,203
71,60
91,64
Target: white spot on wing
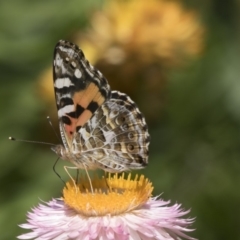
108,135
100,74
59,96
69,51
78,73
94,121
63,82
86,69
67,95
58,60
74,64
85,135
64,110
58,63
91,74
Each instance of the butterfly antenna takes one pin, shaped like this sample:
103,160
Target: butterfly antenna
54,169
50,122
28,141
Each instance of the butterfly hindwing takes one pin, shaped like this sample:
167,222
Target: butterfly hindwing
115,138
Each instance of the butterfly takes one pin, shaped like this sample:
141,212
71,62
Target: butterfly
100,128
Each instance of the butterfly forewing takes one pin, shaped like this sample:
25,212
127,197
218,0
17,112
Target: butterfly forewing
100,128
79,88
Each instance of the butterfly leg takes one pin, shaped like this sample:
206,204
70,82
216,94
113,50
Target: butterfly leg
89,179
107,175
54,169
66,169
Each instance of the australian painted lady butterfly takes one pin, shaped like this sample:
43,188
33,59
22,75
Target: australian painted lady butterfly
100,128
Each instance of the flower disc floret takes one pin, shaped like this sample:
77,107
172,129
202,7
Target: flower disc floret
112,195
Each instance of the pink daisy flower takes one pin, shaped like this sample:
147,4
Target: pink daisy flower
118,208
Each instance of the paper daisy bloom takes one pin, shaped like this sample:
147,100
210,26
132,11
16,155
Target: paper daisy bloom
119,208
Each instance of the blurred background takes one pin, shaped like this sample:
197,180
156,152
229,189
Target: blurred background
178,60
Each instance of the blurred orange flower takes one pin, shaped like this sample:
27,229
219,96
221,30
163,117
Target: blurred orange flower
149,29
135,42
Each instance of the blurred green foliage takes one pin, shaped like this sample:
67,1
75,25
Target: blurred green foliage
195,147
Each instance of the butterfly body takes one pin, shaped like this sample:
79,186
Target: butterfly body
100,128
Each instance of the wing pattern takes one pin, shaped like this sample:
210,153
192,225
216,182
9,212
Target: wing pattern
100,128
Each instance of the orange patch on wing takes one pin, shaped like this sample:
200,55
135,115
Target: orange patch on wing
85,116
83,98
99,99
71,128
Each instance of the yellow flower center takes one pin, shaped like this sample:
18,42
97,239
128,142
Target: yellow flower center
112,195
